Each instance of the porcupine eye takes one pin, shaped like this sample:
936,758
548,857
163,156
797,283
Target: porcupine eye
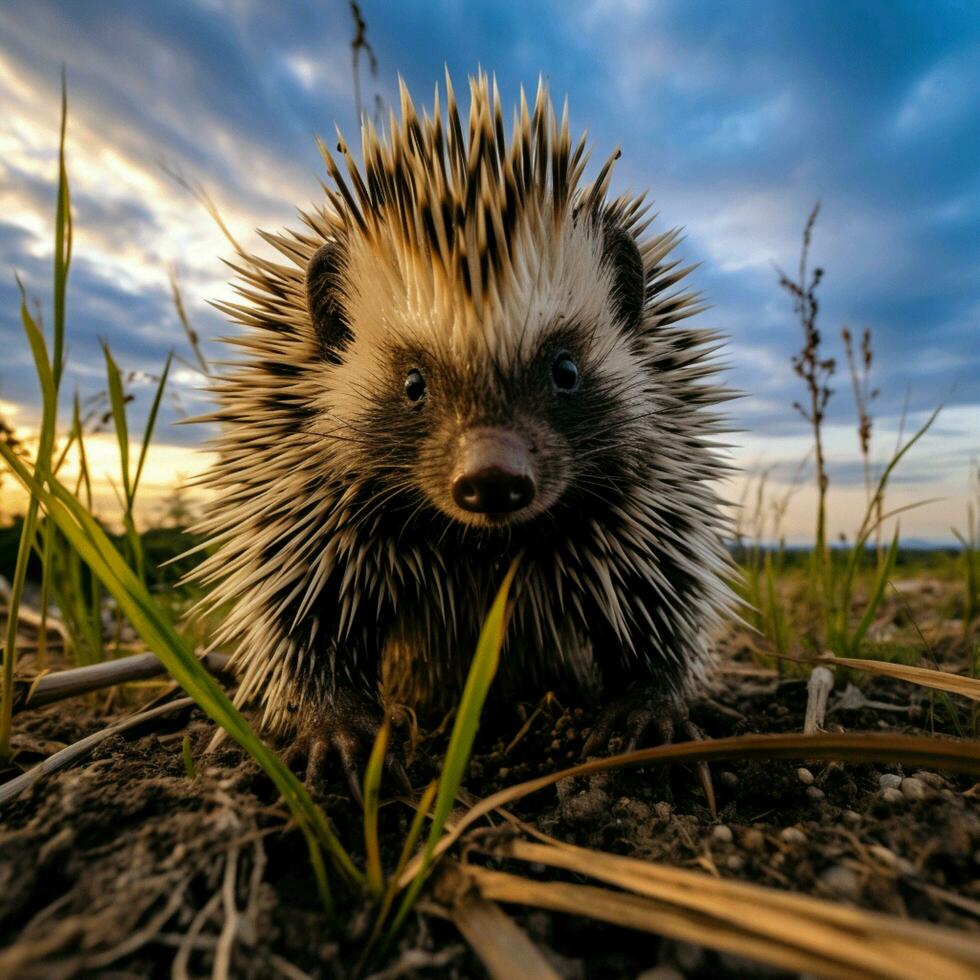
414,385
564,373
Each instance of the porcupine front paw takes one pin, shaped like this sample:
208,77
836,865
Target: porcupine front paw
646,710
346,729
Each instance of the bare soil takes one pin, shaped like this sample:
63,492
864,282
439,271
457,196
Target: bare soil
126,867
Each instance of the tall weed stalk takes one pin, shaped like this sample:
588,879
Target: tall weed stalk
833,572
816,372
969,540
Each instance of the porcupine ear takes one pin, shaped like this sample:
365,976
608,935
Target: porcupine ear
622,255
323,300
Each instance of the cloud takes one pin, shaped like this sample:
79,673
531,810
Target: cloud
737,116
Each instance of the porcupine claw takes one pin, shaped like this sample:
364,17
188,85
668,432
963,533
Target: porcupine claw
347,728
639,711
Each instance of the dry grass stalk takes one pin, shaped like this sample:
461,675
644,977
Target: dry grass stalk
192,335
80,749
201,195
937,680
794,932
60,685
918,751
969,540
359,43
864,395
503,947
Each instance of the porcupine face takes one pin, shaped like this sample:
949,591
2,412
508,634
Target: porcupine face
466,340
490,414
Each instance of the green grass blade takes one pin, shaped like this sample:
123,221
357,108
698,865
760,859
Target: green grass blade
481,674
151,422
391,889
774,611
85,630
83,470
65,450
13,612
881,583
62,242
188,757
153,625
135,544
95,588
372,795
414,831
47,558
42,463
94,600
117,403
870,522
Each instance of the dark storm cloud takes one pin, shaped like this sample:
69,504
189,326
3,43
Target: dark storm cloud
738,116
140,326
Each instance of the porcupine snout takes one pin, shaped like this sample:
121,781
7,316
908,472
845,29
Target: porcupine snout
494,474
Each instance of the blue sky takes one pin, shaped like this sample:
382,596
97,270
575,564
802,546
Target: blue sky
736,115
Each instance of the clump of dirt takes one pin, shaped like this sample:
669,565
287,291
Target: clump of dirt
125,865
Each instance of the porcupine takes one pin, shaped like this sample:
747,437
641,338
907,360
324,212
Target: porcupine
469,353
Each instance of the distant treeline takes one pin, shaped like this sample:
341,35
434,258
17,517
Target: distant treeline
162,545
912,557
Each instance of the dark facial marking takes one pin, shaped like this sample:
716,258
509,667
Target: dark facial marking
323,300
623,257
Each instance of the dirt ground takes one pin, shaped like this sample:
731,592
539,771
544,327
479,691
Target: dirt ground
125,867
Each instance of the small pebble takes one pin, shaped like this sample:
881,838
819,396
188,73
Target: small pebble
885,856
753,840
889,780
893,796
914,789
805,776
792,835
891,860
662,809
734,862
932,779
815,793
728,779
842,881
851,817
722,834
